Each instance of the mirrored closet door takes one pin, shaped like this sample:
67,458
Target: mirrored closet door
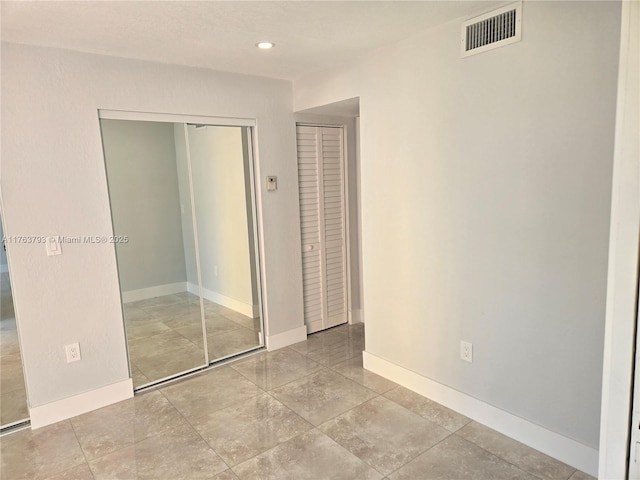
183,219
13,394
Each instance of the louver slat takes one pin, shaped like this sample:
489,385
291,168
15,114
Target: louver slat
309,191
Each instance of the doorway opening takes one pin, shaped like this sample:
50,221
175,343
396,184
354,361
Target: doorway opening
329,195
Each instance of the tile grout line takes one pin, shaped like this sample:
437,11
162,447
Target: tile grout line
404,408
510,462
134,442
502,459
84,454
266,352
414,458
197,432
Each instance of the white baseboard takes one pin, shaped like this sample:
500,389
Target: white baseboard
355,316
558,446
78,404
155,291
284,339
244,308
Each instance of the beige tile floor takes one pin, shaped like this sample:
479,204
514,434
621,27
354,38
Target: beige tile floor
165,335
309,411
13,397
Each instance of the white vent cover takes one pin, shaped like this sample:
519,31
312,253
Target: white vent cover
492,30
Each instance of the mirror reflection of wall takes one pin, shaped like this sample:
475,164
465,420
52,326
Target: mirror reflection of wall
164,331
220,168
155,171
13,395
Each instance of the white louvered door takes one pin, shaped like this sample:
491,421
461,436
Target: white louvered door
322,224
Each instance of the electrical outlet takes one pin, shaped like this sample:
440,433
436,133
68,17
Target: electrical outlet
466,351
73,352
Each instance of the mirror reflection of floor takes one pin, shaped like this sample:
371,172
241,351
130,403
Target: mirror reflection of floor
13,397
165,335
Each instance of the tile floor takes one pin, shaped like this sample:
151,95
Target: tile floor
13,397
309,411
165,336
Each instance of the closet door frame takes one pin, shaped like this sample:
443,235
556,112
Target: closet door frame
258,234
346,197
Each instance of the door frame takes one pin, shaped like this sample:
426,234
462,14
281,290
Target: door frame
633,469
258,233
622,279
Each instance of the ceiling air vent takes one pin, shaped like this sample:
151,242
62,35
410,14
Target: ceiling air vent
492,30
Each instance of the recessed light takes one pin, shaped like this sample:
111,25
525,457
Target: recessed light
265,45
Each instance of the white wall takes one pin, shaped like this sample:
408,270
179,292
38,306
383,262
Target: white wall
240,282
145,202
485,208
54,182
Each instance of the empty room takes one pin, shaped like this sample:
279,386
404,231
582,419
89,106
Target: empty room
319,240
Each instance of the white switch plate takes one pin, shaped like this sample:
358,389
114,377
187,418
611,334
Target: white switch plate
53,246
272,184
466,351
73,352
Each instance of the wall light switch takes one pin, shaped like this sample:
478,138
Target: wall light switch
53,246
272,184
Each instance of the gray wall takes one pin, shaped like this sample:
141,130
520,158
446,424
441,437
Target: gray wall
145,202
54,183
486,187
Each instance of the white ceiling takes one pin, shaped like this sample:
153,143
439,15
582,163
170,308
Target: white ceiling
309,35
